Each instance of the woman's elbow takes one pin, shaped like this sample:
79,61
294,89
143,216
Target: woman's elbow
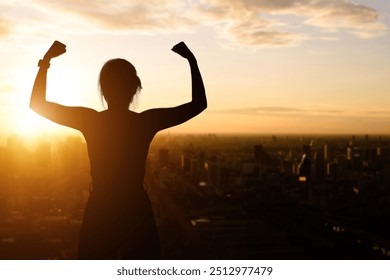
33,105
201,105
204,105
36,106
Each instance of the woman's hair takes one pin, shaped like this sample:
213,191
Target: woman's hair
118,81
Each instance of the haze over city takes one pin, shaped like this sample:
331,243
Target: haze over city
268,66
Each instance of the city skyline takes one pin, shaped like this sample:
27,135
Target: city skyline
214,197
268,67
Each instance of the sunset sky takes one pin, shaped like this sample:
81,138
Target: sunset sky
280,66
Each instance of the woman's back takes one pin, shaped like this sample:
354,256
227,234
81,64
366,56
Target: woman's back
118,144
119,213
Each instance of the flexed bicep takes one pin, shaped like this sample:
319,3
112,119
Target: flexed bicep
74,117
162,118
69,116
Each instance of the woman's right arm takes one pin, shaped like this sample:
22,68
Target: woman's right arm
199,100
166,117
69,116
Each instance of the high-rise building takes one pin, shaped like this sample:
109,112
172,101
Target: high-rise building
304,166
258,149
43,154
319,166
186,162
326,152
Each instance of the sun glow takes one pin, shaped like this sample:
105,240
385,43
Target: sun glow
61,88
63,85
30,124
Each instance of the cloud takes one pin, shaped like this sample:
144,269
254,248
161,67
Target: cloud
243,23
253,33
378,112
378,115
359,20
253,23
260,111
249,20
284,111
144,16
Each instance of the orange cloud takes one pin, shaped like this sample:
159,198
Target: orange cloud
248,24
147,16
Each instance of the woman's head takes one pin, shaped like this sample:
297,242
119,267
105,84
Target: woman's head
119,82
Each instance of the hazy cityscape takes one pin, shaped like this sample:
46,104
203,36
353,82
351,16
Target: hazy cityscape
214,196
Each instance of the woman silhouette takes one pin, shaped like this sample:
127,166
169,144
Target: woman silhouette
118,221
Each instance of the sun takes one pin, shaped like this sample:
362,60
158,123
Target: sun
30,124
62,83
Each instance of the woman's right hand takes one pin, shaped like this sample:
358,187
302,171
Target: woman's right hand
182,49
56,49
